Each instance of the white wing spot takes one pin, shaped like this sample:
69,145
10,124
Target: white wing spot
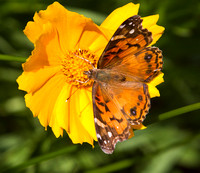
122,26
105,142
109,134
99,136
99,123
131,31
117,37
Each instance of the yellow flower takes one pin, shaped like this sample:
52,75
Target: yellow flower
53,73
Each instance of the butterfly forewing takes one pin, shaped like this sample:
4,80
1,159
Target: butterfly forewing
143,66
129,38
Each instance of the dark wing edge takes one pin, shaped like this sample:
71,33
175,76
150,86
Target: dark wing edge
143,66
107,135
130,29
134,102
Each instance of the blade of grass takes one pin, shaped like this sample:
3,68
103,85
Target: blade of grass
113,166
12,58
41,158
179,111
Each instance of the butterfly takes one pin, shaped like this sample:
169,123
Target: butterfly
120,92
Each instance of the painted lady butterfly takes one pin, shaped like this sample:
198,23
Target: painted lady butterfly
120,91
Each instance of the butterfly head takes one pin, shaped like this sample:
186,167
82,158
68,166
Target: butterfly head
88,73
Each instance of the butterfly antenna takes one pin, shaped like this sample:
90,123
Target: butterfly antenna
85,60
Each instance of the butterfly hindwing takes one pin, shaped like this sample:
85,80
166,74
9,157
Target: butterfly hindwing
143,66
133,100
129,38
110,124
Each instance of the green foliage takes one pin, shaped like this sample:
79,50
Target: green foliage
170,145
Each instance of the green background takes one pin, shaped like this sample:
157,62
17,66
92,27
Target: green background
170,145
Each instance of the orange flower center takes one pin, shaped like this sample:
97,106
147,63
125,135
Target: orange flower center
75,63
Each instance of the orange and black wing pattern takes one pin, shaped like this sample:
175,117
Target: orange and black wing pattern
123,101
129,38
133,101
116,110
142,66
110,124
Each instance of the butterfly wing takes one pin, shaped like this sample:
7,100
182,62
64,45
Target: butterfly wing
127,51
116,109
129,38
143,66
132,99
126,101
110,124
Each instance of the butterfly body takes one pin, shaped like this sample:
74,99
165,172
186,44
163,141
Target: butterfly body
107,77
120,91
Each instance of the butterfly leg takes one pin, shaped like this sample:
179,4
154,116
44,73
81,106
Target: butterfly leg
82,82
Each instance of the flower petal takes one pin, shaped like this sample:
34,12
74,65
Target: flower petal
60,114
91,33
34,30
153,91
74,115
33,80
47,51
118,16
42,102
158,80
44,62
139,127
86,117
69,25
150,23
98,46
78,131
157,32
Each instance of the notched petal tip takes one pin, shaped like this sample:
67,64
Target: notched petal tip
150,22
153,91
113,21
139,127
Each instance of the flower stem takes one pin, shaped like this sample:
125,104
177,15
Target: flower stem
179,111
12,58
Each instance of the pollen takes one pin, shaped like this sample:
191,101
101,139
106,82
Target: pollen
75,63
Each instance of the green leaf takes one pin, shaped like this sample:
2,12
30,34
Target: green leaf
179,111
12,58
